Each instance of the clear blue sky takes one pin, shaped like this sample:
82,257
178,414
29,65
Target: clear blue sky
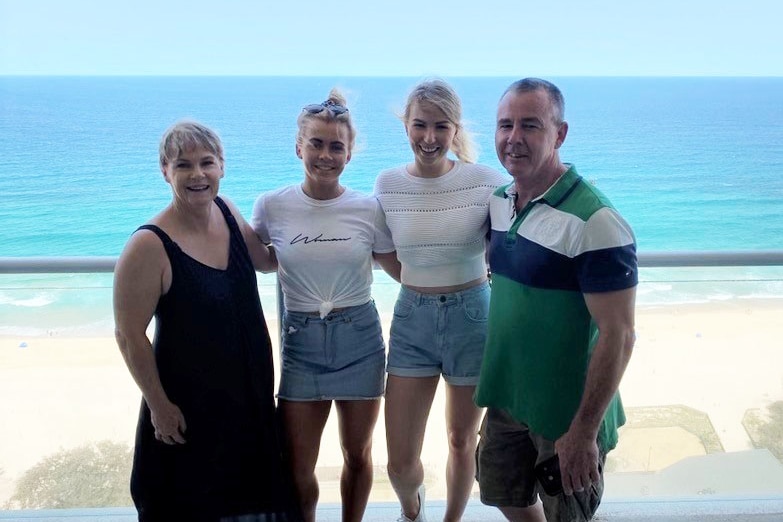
392,38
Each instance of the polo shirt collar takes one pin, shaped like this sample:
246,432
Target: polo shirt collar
557,192
561,188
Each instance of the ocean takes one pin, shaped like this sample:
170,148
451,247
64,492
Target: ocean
692,164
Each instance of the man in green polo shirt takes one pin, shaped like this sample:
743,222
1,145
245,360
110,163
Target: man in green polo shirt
561,321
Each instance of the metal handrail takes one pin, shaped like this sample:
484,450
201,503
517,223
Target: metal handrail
99,264
713,258
55,265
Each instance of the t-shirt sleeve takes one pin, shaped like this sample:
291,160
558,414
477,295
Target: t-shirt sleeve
382,242
258,220
607,254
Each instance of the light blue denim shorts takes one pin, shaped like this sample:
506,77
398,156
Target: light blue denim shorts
339,357
434,334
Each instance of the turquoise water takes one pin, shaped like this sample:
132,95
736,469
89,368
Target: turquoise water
692,163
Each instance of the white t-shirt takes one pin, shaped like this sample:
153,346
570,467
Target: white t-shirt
324,248
439,225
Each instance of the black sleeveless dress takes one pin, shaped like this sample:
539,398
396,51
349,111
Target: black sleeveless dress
214,357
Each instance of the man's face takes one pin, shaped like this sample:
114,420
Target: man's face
527,136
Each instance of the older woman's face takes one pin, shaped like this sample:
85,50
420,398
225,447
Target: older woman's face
194,176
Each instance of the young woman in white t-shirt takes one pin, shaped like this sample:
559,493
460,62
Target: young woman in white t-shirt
325,237
437,210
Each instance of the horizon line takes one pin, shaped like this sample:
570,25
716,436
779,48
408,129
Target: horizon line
146,75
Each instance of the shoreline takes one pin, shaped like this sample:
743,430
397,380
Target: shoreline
78,308
62,392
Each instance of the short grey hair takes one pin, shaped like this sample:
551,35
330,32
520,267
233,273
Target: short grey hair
187,135
536,84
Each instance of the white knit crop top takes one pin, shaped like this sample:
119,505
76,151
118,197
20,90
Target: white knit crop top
439,225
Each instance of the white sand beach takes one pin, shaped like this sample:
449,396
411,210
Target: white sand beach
720,358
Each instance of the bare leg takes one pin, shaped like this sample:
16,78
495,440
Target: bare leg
462,421
357,420
534,513
408,402
304,424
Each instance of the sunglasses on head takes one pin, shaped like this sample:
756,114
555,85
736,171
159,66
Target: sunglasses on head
334,108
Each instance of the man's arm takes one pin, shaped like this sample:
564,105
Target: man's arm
613,313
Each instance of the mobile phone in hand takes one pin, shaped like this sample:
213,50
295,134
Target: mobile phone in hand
548,474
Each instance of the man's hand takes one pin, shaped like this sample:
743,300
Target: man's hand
578,453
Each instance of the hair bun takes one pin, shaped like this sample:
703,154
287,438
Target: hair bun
336,97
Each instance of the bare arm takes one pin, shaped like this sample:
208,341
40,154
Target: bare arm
263,257
138,284
389,263
613,313
486,258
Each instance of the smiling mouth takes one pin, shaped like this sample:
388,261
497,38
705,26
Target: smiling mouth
429,150
199,188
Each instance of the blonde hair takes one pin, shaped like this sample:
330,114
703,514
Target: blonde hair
188,135
444,97
335,100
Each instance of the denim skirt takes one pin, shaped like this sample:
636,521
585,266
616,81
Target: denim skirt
339,357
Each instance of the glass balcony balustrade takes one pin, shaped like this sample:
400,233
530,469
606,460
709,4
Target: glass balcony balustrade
703,392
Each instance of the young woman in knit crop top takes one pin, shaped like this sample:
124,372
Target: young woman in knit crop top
325,237
437,210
